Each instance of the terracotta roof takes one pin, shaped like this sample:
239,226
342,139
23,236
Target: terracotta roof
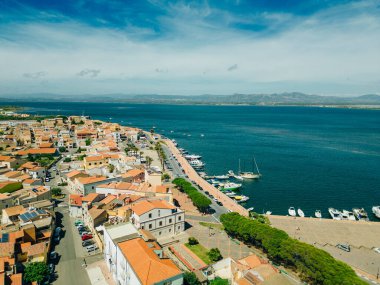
15,210
6,158
91,179
36,249
95,213
94,158
37,151
46,145
12,174
7,249
132,173
75,200
162,189
73,173
149,268
119,186
30,181
90,197
251,261
145,206
15,279
108,199
3,196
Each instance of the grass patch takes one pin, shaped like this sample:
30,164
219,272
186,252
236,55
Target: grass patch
212,225
200,251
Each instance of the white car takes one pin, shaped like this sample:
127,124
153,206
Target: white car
377,249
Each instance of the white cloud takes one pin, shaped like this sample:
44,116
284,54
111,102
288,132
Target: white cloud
335,51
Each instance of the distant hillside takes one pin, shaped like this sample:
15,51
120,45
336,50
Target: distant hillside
294,98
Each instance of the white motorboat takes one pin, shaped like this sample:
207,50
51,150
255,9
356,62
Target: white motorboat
318,214
376,211
300,213
221,177
360,214
192,156
292,212
268,213
231,186
348,215
250,209
335,214
196,163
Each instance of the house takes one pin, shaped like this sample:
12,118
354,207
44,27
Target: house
10,215
141,262
38,151
85,185
133,175
75,206
9,161
39,193
6,201
159,217
112,236
153,177
94,217
95,161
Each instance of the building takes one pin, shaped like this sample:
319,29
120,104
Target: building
75,206
159,217
141,262
10,215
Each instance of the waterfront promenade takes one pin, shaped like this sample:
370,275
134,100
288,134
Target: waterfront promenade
194,176
362,237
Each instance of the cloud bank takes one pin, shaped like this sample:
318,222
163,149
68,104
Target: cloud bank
189,49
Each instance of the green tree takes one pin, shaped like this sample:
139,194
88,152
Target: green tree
56,191
62,149
193,241
214,254
67,159
35,271
149,160
88,142
165,176
111,168
189,278
219,281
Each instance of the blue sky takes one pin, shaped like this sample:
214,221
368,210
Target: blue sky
189,47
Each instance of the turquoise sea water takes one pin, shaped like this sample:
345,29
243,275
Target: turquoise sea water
312,158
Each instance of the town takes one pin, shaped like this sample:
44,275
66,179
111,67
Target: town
85,201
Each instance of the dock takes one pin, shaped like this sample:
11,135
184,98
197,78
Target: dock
227,202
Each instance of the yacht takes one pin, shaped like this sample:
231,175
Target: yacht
300,213
292,212
348,215
195,163
249,174
192,156
231,186
230,194
335,214
376,211
360,214
318,214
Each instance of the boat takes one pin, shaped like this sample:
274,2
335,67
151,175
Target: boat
250,209
221,177
348,215
195,163
230,173
192,156
335,214
268,213
318,214
376,211
241,198
174,142
202,135
292,212
230,194
231,186
249,174
360,214
300,213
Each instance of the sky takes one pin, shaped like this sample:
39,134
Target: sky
324,47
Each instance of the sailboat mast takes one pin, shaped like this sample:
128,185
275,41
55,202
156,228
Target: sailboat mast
258,171
239,167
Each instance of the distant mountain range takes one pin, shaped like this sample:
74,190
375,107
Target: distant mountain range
294,98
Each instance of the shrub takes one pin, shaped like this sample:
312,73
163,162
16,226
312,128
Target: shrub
315,266
193,241
219,281
62,149
35,271
189,278
214,254
67,159
56,191
9,188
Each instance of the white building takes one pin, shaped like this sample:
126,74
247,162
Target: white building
159,217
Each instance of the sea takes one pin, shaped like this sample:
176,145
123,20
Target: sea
309,157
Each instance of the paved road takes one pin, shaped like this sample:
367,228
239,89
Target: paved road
70,268
177,172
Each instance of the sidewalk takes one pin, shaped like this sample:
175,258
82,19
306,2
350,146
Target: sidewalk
99,274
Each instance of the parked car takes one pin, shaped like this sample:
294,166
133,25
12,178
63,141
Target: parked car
207,193
343,246
57,231
51,267
85,233
92,247
78,222
87,242
53,255
47,179
219,203
86,237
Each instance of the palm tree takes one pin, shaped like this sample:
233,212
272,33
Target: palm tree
149,160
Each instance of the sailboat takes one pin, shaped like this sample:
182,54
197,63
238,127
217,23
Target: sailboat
251,175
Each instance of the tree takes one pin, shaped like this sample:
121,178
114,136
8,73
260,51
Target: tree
149,160
67,159
189,278
111,168
214,254
88,142
219,281
35,271
193,241
165,177
62,149
56,191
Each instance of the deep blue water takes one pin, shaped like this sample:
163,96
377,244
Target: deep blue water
312,158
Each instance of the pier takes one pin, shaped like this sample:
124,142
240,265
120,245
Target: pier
194,176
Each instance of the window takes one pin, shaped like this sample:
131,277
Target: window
150,215
159,213
160,223
170,221
150,226
179,218
179,227
89,163
170,230
159,233
142,227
